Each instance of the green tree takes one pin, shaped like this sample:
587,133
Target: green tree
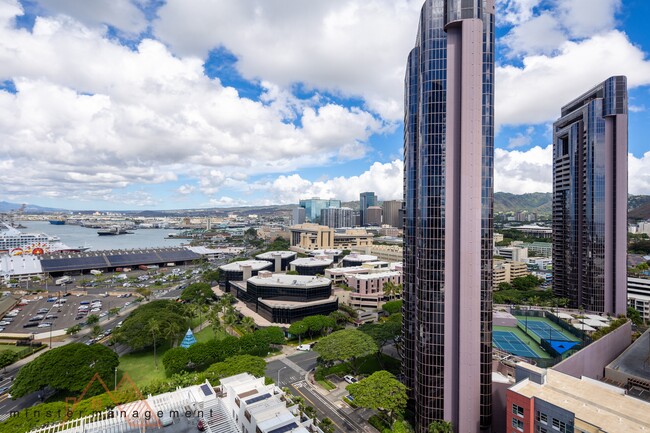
74,329
144,292
172,331
210,276
384,332
392,307
135,330
298,328
271,334
153,326
92,319
345,345
67,368
114,311
339,317
504,286
237,365
198,293
248,324
441,427
319,324
7,357
230,317
96,330
176,360
380,391
634,316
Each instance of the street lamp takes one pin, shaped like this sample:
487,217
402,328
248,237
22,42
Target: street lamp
115,389
279,375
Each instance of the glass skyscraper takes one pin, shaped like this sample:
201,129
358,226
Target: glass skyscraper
314,206
448,194
366,199
590,199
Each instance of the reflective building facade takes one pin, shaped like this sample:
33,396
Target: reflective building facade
314,206
590,199
448,194
366,199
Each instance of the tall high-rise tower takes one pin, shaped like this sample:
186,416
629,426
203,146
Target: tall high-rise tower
366,199
590,199
448,194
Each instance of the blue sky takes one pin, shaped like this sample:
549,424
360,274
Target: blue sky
151,104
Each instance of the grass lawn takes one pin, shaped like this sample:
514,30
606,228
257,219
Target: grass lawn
139,365
12,347
207,334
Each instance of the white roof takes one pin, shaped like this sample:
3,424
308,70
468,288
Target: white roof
276,280
593,323
256,265
583,327
564,316
596,317
312,261
328,252
205,251
20,265
272,255
360,257
376,275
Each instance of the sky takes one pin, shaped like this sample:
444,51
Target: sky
175,104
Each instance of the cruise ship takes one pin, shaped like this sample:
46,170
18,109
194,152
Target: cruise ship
16,243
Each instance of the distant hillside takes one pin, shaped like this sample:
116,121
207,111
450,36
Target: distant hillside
30,208
539,202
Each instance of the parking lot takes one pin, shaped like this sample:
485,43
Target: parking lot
62,312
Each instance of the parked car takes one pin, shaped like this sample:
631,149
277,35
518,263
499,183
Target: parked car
95,310
4,323
45,325
51,316
30,324
304,347
350,379
43,310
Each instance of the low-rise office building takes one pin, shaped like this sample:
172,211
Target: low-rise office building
241,271
351,239
309,237
281,298
506,271
638,295
547,401
281,259
311,265
356,259
368,289
630,370
514,253
335,255
337,275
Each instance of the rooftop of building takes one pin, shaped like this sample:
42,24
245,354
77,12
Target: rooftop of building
284,280
273,254
352,269
595,402
312,261
377,275
360,257
256,265
635,360
273,303
327,252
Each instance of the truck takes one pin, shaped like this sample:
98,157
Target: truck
63,280
96,272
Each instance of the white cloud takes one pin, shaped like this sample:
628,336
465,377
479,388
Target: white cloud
638,174
121,14
584,18
521,172
535,92
384,179
521,139
89,113
539,35
515,11
352,47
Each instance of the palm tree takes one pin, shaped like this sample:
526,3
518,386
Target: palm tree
215,321
171,332
248,324
230,318
154,327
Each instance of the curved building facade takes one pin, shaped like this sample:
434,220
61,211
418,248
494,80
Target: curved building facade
448,194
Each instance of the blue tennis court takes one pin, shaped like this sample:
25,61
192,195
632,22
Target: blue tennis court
545,331
508,341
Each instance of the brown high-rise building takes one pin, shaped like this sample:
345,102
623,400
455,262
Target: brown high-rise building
373,216
590,199
448,194
391,213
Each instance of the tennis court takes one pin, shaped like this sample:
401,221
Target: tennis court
544,329
509,342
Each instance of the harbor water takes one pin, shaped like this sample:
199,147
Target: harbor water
76,236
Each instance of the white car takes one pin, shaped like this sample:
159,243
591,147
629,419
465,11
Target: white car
95,310
45,325
304,347
350,379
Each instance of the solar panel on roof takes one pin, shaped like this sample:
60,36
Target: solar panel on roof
258,398
206,389
285,428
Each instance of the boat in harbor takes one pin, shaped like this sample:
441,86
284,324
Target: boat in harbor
17,243
57,222
113,231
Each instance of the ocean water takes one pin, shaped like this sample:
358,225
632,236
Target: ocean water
77,236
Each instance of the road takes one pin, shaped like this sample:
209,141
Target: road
291,372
